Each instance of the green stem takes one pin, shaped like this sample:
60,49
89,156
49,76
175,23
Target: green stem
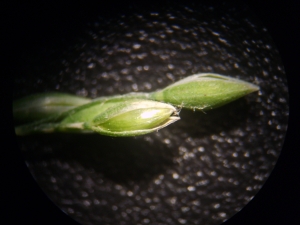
38,106
59,112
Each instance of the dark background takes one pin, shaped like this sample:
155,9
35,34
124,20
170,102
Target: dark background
276,203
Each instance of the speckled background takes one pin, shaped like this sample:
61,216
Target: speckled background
200,170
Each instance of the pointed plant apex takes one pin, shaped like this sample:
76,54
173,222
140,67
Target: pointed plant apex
204,91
